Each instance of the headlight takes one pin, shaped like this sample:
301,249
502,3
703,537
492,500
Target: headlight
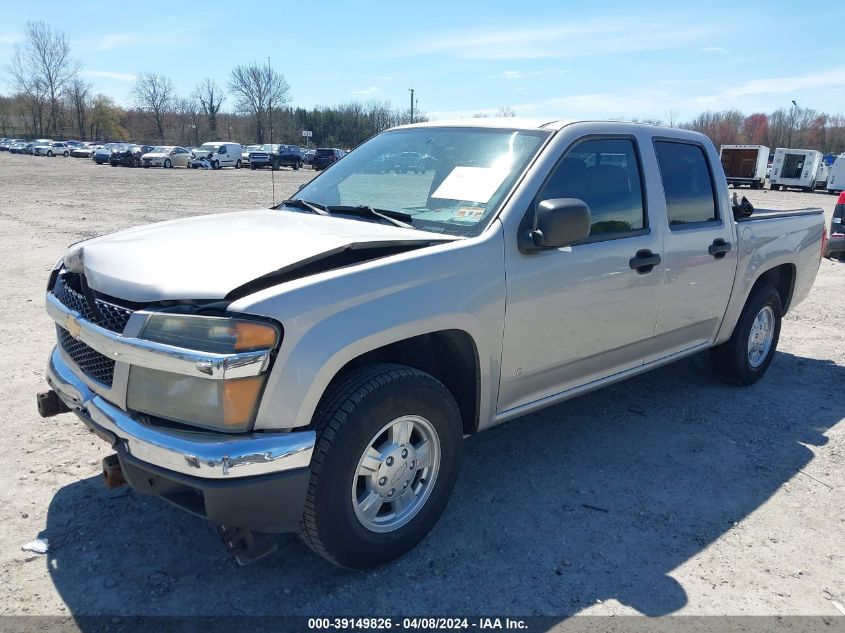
223,405
220,335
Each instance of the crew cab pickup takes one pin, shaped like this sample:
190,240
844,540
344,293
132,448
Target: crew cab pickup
314,367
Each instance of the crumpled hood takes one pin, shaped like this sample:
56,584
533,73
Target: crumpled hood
207,257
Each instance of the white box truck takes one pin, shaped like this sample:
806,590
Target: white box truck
745,164
795,168
836,175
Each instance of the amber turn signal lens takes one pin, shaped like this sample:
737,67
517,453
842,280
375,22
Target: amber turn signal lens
240,397
250,335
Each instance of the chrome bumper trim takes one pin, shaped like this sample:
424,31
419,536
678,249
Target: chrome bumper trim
200,454
152,355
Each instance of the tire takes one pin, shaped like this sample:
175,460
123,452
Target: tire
296,166
353,416
50,153
733,360
65,154
167,163
136,162
238,165
215,165
275,166
774,187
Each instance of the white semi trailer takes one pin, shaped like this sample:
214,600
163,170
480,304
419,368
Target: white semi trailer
836,176
745,164
795,168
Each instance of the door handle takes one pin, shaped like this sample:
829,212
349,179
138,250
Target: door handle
644,261
719,248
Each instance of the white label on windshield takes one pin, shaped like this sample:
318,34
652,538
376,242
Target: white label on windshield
477,184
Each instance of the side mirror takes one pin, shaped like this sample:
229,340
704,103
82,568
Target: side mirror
558,222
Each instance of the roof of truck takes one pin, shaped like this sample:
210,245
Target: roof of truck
519,123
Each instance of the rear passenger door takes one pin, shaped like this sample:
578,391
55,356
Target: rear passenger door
699,258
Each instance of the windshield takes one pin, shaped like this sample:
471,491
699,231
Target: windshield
209,147
456,182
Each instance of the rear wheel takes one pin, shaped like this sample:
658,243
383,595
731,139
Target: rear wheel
745,357
238,165
774,187
390,440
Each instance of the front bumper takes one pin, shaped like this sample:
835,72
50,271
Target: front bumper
198,453
256,480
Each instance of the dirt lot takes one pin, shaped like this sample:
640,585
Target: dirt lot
670,493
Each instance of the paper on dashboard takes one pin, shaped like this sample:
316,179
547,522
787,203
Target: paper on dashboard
477,184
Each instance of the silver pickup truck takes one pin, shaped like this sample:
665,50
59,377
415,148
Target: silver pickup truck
315,367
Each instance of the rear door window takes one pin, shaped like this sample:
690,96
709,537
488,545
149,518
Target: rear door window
687,184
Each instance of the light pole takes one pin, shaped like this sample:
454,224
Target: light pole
411,90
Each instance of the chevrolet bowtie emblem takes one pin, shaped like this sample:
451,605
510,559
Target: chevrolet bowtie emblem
72,326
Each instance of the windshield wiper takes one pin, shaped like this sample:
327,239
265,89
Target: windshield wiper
396,218
313,207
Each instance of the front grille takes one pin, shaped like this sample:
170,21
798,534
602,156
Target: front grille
112,317
90,361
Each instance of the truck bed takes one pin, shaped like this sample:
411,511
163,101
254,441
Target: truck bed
768,214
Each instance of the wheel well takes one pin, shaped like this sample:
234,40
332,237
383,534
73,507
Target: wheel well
449,355
783,279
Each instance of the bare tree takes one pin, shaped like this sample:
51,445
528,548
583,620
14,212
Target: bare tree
79,95
505,111
210,97
672,118
42,69
154,94
258,89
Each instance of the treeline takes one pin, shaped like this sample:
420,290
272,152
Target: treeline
796,127
51,100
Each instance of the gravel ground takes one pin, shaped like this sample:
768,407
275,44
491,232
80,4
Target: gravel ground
670,493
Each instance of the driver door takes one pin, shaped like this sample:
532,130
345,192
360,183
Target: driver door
581,313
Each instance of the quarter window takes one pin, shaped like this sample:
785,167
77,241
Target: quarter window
605,174
687,184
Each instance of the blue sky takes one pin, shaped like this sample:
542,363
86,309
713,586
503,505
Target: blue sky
550,59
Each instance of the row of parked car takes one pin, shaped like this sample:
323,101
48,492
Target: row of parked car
211,155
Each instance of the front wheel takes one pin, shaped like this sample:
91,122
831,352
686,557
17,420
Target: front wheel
50,154
167,163
215,165
387,457
744,358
